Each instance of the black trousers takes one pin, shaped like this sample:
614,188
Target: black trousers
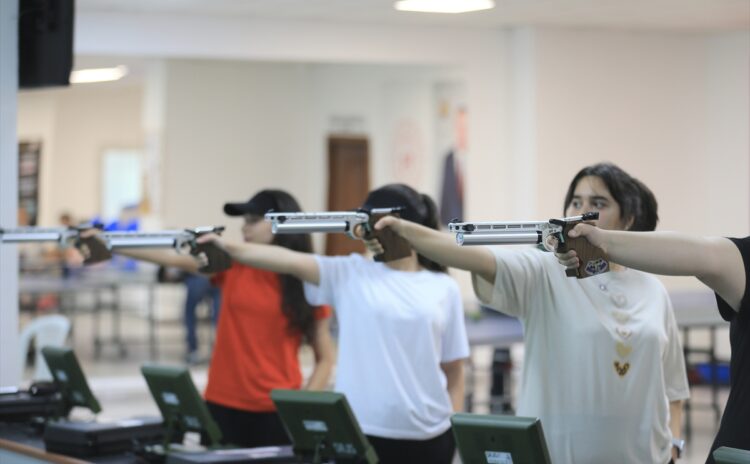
438,450
248,429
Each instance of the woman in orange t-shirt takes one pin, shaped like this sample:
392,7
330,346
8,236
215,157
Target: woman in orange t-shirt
263,321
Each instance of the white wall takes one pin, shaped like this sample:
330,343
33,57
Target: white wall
727,81
232,128
76,125
479,53
670,109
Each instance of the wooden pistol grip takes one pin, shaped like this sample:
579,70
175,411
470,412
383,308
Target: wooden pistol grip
591,260
93,250
394,246
218,259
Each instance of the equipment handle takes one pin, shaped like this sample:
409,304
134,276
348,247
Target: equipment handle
93,249
591,260
218,259
394,246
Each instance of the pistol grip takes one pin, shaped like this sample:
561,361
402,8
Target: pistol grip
93,250
218,259
591,260
394,246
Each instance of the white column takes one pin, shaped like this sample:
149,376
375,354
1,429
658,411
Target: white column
9,356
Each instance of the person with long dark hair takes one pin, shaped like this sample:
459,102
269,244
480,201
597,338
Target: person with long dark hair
402,341
263,321
603,365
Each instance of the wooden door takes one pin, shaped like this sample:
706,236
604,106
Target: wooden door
348,184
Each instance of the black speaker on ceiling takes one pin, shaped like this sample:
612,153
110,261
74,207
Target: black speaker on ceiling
45,42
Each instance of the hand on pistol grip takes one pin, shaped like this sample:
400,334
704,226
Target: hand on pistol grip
215,259
93,249
591,259
393,245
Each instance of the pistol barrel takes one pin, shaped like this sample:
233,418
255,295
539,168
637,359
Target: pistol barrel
305,227
492,228
141,242
20,236
135,239
499,239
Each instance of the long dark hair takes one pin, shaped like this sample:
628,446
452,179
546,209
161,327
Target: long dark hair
637,202
418,207
294,305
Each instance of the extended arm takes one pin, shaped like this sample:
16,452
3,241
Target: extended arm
270,257
715,261
162,258
442,248
325,356
168,258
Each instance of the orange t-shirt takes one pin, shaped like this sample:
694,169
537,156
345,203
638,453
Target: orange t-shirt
255,351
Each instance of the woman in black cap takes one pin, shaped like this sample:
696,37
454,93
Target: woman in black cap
402,340
264,319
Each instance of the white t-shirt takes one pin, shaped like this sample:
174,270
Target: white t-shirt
602,357
395,328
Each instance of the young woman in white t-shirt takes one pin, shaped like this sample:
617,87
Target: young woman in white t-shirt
723,264
402,341
603,365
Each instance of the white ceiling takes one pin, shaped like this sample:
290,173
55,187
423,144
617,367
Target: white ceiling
621,14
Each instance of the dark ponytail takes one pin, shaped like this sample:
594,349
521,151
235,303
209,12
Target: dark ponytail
647,216
294,305
417,207
432,219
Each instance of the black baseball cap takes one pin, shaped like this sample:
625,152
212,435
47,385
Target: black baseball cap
259,204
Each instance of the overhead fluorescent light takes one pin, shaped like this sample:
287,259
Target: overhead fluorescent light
85,76
444,6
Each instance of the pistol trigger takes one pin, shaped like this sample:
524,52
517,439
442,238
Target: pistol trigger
365,231
560,238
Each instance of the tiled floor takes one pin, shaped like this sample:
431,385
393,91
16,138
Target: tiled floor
123,393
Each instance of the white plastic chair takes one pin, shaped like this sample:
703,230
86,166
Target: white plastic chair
51,330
